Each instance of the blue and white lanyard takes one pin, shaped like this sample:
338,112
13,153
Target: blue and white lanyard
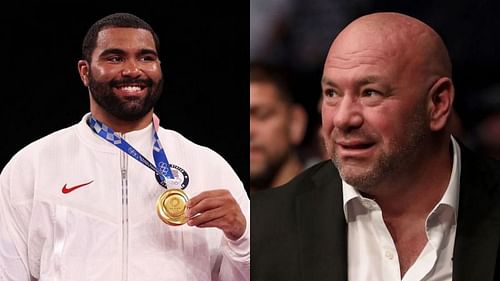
162,169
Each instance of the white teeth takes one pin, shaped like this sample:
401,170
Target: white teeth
130,88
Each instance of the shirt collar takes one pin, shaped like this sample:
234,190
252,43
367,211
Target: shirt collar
450,197
136,138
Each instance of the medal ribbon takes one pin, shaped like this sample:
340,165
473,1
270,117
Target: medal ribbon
162,169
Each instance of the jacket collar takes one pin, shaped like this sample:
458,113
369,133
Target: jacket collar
140,139
322,228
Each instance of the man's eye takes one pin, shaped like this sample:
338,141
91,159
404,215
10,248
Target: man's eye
263,114
329,93
371,93
115,59
148,58
372,97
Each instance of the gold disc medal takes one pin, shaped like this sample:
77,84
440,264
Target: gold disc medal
171,207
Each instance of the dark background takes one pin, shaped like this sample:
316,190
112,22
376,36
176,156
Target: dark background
204,50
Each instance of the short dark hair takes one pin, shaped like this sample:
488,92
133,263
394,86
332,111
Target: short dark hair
263,72
114,20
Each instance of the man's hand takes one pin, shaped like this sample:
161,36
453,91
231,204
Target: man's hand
217,208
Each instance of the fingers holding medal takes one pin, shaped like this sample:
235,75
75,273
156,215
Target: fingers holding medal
219,209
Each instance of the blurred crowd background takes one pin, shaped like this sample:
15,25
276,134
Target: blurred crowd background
295,35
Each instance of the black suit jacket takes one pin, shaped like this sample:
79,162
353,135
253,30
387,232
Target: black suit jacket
299,231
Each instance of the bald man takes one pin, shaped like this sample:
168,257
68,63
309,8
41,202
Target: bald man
401,198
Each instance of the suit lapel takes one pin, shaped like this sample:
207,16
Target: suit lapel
322,228
323,231
477,238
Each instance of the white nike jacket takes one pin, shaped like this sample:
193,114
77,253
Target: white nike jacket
105,227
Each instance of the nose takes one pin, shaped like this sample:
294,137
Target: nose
348,115
131,69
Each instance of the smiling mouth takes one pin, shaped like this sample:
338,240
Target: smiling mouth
131,85
131,88
354,149
356,146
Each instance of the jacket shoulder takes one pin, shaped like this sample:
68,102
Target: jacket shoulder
274,222
299,184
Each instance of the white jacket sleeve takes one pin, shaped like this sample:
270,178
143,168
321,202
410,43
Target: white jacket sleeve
13,233
235,264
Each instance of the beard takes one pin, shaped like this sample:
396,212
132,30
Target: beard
125,108
390,163
262,176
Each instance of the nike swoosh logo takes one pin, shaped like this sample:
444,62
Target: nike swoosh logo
68,190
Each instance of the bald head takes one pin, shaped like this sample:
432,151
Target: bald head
395,36
387,98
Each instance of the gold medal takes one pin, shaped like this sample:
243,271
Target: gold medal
171,207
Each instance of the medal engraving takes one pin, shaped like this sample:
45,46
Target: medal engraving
171,207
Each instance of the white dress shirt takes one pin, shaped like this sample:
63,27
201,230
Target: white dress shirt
372,254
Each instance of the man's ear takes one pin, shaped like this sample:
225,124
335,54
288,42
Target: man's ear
441,95
83,70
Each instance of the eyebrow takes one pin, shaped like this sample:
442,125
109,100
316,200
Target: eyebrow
360,82
369,80
117,51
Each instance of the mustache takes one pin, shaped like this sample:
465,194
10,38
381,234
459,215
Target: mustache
257,146
129,81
